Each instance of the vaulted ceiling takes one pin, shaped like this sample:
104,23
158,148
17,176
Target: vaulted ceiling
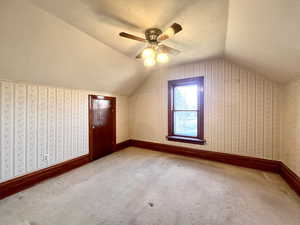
204,22
263,35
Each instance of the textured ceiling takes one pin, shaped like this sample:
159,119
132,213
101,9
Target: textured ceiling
260,34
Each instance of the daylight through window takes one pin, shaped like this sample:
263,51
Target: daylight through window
186,110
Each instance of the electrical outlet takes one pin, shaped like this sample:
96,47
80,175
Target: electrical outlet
46,157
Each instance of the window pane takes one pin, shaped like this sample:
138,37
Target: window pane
185,97
185,123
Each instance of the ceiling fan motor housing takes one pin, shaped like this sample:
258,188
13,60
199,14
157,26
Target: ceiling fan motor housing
152,34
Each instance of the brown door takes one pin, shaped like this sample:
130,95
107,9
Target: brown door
102,125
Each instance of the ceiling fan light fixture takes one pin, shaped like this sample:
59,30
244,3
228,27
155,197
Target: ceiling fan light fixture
148,53
170,32
148,62
155,52
162,57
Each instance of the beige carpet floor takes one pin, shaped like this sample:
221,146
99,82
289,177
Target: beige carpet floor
143,187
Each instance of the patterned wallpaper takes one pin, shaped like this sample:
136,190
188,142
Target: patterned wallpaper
42,126
242,109
291,126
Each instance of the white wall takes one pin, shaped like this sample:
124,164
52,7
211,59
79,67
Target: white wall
242,109
37,120
291,126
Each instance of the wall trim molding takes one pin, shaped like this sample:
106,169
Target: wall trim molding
244,161
21,183
122,145
290,177
26,181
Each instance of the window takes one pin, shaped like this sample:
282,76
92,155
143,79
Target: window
186,110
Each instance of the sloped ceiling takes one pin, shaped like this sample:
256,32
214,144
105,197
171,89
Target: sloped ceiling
75,43
204,22
260,34
264,35
37,47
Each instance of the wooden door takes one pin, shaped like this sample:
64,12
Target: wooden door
102,125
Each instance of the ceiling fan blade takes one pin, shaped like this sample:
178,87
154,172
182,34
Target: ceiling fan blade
170,32
176,27
167,49
139,56
133,37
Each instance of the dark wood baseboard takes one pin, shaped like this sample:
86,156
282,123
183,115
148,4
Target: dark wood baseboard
21,183
244,161
290,177
122,145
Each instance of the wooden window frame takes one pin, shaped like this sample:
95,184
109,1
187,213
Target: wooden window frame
199,81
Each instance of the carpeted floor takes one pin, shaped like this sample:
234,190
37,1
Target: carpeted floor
143,187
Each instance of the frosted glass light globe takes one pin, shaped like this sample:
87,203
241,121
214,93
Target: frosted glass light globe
169,32
149,62
162,58
148,53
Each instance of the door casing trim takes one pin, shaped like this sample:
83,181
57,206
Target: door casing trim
113,99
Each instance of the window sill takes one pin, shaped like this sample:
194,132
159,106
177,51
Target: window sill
186,140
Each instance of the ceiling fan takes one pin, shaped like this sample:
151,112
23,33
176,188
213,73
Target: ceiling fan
155,51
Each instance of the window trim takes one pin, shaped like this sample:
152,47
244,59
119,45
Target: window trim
199,81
